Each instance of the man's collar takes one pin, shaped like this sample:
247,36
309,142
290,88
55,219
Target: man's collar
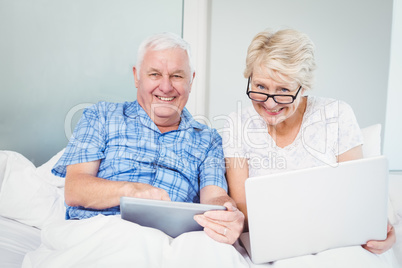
187,121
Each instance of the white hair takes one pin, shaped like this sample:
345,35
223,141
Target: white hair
163,41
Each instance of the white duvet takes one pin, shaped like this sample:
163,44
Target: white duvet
34,196
108,241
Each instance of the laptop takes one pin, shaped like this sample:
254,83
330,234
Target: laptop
311,210
172,218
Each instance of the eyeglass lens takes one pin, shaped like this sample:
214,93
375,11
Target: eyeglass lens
263,97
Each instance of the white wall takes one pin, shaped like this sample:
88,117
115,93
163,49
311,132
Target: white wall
57,56
393,124
195,32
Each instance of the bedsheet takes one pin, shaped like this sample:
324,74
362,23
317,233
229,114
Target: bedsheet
346,257
16,239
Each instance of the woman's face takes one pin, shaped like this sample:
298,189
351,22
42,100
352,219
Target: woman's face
272,112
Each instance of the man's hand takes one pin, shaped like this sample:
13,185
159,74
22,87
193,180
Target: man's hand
222,226
143,190
379,247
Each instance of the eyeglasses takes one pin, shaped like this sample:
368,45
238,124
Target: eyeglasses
263,97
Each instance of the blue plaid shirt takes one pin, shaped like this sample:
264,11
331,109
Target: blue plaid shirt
132,148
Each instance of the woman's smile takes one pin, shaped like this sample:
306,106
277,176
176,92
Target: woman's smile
273,112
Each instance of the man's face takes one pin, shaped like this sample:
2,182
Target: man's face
164,84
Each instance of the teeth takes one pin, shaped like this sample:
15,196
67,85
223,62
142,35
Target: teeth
165,98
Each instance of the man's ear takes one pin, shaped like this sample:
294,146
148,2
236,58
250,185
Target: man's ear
191,84
135,76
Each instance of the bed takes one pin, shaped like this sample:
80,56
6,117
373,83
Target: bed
33,232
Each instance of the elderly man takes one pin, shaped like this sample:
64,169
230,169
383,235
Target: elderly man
150,148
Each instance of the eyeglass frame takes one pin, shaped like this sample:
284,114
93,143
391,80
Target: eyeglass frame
269,95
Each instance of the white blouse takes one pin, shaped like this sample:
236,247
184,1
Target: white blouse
329,128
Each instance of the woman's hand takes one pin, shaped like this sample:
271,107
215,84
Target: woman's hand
222,226
379,247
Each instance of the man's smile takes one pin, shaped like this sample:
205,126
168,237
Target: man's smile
165,98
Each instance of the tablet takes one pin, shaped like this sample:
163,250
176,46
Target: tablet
172,218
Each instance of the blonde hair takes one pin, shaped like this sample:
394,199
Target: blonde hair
288,55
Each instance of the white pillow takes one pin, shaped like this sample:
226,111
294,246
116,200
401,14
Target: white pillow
371,141
3,164
45,171
26,196
395,196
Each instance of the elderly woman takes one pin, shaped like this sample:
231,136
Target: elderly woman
286,129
